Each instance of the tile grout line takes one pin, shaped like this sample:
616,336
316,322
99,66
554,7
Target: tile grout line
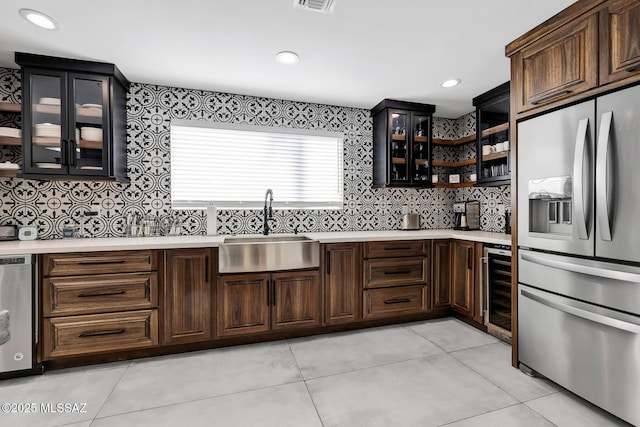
488,379
304,381
198,399
111,392
480,415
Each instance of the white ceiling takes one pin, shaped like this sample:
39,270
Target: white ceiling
365,51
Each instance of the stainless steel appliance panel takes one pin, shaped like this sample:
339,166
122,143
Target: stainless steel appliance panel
590,350
610,285
16,313
559,144
618,176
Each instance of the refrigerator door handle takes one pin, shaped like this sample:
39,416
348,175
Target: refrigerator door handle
578,179
585,314
602,179
596,271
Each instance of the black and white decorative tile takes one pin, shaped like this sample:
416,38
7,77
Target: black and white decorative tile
150,109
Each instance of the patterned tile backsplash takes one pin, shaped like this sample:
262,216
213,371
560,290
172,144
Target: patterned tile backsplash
52,205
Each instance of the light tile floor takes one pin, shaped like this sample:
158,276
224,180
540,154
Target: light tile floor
431,373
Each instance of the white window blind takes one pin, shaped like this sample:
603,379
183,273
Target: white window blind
231,166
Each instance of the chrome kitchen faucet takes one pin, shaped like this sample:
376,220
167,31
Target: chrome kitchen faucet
268,211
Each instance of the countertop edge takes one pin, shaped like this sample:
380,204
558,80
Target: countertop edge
145,243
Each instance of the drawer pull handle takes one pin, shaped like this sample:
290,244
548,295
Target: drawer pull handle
101,333
97,261
633,68
397,301
535,100
404,248
104,294
398,272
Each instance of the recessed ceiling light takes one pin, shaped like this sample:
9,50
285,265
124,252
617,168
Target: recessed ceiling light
451,83
287,57
39,19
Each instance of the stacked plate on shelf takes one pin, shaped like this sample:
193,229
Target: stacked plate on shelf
49,101
91,106
9,166
91,134
11,132
47,130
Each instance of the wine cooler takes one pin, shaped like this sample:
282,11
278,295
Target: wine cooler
497,290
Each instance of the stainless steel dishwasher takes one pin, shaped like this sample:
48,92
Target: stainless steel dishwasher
16,315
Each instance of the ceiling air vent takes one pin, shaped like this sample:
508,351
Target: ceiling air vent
323,6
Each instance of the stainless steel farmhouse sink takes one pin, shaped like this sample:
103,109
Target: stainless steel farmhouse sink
268,253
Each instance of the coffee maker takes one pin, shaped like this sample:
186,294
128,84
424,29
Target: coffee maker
466,215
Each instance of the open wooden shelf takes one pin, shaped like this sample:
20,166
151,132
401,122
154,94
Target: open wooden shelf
9,107
420,139
454,142
10,140
495,129
457,185
88,112
423,162
46,108
440,163
398,160
80,111
396,137
55,142
9,173
494,156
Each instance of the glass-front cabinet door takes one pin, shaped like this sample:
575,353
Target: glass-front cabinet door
492,121
421,129
89,113
46,147
398,139
69,114
401,144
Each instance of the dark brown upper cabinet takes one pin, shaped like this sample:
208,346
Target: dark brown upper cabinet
558,65
402,144
74,119
619,40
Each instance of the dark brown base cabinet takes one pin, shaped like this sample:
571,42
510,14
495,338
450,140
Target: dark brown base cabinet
396,278
260,302
342,283
97,302
441,273
188,295
107,306
463,277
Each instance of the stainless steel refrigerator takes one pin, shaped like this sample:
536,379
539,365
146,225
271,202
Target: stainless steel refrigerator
579,249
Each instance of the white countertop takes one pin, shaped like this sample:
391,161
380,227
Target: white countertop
126,243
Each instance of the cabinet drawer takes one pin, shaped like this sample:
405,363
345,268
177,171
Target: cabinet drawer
395,272
77,335
97,263
63,296
395,249
387,302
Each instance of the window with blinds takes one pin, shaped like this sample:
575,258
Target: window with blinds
231,166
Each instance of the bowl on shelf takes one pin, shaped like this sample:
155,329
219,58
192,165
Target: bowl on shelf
47,130
11,132
91,134
49,101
